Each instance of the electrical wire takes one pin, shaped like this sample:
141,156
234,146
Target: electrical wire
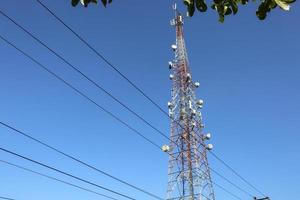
230,182
105,91
227,191
79,161
222,188
133,84
6,198
237,174
79,92
66,174
56,179
103,58
48,146
139,133
84,75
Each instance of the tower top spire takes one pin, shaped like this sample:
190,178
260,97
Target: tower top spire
178,19
175,9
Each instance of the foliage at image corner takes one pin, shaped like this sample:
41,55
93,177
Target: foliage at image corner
85,3
222,7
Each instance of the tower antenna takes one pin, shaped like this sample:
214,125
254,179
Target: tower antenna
188,171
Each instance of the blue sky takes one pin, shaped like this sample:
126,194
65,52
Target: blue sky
248,70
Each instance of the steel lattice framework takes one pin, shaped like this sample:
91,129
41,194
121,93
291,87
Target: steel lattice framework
189,174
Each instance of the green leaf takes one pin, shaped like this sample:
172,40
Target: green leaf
218,1
283,4
104,2
201,5
262,11
234,7
228,11
290,1
191,10
213,6
190,7
84,2
223,7
188,2
75,2
244,2
221,11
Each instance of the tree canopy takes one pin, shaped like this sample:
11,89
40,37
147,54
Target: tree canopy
222,7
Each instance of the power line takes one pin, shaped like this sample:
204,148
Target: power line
115,69
227,191
81,73
84,75
139,133
48,146
237,174
56,179
131,83
95,103
227,180
101,88
79,161
103,58
6,198
67,174
80,93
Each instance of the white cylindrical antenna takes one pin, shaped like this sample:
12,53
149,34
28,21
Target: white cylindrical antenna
171,114
188,76
174,6
190,104
171,76
170,65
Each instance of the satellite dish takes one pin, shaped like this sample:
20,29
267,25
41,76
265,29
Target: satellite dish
174,47
196,84
165,148
209,147
207,136
200,102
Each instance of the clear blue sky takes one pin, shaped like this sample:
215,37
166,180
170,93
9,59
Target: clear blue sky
249,72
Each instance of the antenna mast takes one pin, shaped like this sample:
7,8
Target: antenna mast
188,171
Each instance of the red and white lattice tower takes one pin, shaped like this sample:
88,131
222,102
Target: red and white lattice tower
188,172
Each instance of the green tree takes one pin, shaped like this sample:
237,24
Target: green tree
222,7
